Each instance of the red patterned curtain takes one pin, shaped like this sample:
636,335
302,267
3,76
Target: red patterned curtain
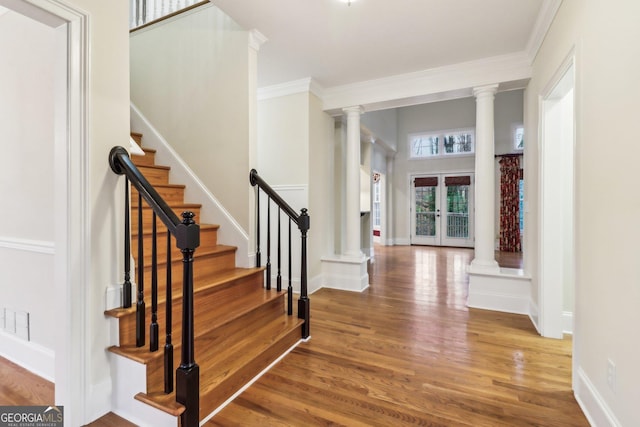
509,212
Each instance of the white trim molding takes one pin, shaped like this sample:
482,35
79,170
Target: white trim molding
545,17
592,404
31,356
28,245
436,84
291,88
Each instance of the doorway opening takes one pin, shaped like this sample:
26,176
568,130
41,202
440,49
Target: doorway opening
557,216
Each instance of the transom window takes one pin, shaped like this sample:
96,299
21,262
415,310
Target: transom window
442,143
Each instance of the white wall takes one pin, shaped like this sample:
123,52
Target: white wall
295,153
283,139
320,177
383,125
607,293
190,78
26,177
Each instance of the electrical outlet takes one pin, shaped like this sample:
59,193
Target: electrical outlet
611,375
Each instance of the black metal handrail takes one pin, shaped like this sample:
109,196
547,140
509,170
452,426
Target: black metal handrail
187,236
302,221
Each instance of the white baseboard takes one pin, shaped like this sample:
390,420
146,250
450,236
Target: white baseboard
99,399
592,404
31,356
398,241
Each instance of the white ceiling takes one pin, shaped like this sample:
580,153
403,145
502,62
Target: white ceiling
337,44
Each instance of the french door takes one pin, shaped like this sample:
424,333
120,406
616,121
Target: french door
442,210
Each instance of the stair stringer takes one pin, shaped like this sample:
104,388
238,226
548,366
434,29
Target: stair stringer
213,212
129,378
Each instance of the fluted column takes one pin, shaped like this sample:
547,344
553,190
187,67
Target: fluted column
352,205
484,181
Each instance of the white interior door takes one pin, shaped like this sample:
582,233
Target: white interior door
442,210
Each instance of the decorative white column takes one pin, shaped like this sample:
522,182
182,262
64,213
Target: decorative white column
352,205
389,235
485,260
347,270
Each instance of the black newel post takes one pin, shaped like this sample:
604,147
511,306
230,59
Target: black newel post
188,373
304,311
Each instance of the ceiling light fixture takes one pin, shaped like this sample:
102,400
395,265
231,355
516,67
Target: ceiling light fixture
347,1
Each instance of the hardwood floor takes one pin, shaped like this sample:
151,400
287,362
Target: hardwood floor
407,351
509,259
20,387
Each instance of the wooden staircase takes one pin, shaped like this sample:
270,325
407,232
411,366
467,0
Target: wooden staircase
240,327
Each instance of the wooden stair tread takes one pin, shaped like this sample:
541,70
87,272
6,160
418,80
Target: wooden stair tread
146,150
217,250
147,232
233,357
236,309
217,279
178,205
163,402
179,186
162,167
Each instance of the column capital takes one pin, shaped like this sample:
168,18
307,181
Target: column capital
256,39
485,90
356,109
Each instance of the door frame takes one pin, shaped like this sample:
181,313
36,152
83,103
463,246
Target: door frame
550,295
469,243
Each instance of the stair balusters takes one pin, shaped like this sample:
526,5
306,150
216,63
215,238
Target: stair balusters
140,305
126,286
302,221
268,243
168,346
153,328
187,234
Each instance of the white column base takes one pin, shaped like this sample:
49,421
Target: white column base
507,290
348,273
484,267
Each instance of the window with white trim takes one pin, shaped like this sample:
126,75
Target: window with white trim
442,143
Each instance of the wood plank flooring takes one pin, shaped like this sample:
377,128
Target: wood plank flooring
407,351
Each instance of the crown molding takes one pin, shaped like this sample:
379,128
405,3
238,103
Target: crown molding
545,18
256,39
293,87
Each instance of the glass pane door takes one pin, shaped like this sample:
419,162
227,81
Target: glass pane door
442,211
425,217
426,211
457,215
